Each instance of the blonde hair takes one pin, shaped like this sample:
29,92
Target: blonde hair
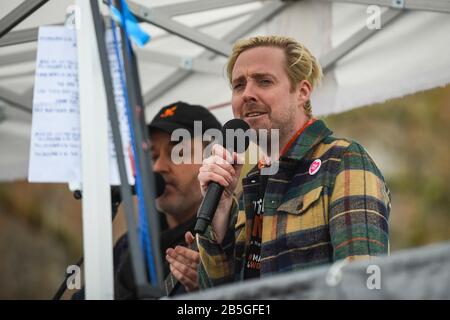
300,63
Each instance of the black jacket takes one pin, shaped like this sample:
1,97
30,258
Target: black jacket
124,285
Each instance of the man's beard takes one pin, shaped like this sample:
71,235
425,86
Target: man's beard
285,129
170,206
179,202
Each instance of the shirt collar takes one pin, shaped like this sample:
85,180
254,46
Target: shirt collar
310,137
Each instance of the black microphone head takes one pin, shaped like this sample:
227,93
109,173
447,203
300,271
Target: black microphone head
234,137
160,184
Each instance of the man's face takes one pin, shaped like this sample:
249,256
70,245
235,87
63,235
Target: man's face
182,193
262,93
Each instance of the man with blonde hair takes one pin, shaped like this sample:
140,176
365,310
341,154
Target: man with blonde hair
328,201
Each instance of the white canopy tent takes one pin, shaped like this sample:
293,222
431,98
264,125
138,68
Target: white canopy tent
185,60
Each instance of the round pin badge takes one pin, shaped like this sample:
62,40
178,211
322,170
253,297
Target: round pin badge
315,166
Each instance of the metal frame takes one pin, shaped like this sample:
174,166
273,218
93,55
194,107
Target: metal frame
28,94
16,101
18,75
31,34
183,8
20,36
253,21
17,15
210,23
143,159
137,258
184,63
424,5
18,57
161,17
166,23
7,23
187,63
355,40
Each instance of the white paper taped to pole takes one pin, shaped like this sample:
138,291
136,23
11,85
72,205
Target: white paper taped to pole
55,152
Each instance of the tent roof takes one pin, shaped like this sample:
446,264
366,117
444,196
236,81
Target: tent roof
362,66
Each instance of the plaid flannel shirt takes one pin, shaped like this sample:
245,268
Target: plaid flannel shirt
340,212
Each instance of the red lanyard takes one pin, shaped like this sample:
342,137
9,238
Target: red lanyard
262,164
296,135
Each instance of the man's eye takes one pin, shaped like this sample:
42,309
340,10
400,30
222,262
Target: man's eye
265,81
238,86
155,157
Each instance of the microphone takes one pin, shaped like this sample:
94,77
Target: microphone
160,186
214,192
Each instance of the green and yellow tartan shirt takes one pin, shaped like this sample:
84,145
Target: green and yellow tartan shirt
340,212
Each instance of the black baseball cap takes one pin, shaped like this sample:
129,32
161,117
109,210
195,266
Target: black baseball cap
182,115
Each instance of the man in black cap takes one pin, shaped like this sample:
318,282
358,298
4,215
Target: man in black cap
181,199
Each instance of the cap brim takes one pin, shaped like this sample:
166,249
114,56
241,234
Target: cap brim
168,127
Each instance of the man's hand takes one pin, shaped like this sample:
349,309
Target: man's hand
183,263
223,168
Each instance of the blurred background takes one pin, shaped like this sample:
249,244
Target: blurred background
40,224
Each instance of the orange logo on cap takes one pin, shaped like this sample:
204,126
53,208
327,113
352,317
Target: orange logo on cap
168,112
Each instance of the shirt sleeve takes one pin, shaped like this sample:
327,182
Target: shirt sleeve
217,260
359,208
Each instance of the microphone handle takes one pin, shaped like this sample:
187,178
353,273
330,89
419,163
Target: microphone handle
208,207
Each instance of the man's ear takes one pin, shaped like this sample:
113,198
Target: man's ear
304,89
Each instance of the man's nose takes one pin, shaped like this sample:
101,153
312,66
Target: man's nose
160,165
249,94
